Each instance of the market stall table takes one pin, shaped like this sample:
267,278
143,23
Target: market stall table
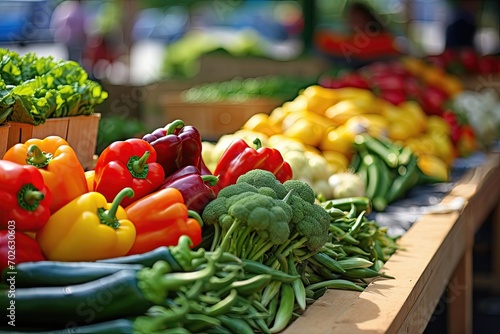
436,253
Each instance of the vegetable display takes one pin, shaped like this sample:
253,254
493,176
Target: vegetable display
130,163
177,145
57,162
160,218
88,228
25,197
33,89
240,158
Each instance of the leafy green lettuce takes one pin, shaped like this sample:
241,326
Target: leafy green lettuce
33,89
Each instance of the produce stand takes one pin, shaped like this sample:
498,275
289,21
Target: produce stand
79,131
214,119
436,253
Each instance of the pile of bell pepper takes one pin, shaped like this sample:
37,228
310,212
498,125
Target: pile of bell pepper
142,194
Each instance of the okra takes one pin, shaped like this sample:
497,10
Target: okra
270,292
251,285
340,284
297,285
355,262
329,263
344,204
223,306
285,309
196,323
235,325
364,273
255,267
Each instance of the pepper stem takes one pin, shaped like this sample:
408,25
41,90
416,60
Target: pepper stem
138,167
37,158
108,217
195,215
211,179
257,143
175,125
29,197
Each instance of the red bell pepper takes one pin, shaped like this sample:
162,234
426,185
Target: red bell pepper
194,187
240,158
130,163
25,198
160,218
451,118
432,100
177,145
17,247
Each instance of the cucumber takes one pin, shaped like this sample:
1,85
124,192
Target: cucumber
112,297
55,273
148,259
403,183
119,326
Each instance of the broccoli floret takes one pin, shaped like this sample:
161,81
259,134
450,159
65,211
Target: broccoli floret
214,210
262,178
235,189
248,223
268,192
309,224
301,189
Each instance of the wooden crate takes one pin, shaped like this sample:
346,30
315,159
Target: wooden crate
214,119
79,131
4,137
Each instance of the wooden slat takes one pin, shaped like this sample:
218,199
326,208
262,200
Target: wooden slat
432,248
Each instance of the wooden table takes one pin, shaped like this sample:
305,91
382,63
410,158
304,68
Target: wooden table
436,253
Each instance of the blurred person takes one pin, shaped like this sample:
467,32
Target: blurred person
68,24
367,38
462,28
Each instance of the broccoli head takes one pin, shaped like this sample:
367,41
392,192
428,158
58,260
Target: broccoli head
262,178
301,189
236,189
311,221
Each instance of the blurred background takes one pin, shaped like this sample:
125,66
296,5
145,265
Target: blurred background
147,53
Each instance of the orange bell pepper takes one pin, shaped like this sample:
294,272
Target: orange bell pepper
57,162
160,218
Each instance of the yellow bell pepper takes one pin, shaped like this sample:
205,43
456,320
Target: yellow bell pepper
340,140
342,111
88,229
89,176
434,167
414,111
260,123
319,98
306,131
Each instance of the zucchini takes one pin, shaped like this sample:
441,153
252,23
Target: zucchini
403,183
55,273
112,297
118,326
148,259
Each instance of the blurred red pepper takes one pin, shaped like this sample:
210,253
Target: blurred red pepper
394,96
240,158
432,100
194,187
130,163
456,131
17,247
469,59
466,143
160,218
177,145
25,199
